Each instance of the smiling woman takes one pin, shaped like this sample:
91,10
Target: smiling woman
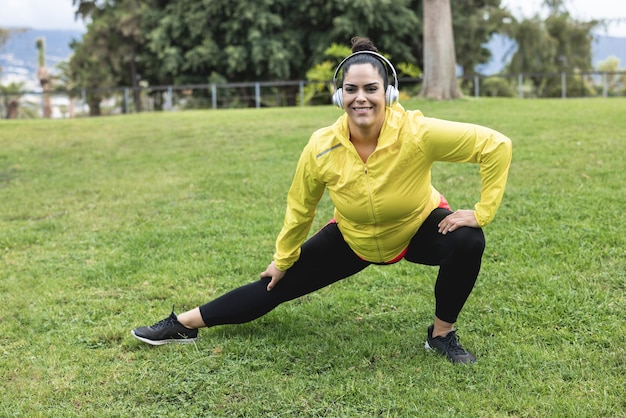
375,163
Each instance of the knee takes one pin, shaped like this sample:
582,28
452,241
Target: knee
470,240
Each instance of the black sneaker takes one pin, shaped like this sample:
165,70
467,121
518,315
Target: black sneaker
166,331
449,346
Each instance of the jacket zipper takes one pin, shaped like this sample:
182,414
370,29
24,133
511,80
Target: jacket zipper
375,225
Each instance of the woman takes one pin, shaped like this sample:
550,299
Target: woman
375,162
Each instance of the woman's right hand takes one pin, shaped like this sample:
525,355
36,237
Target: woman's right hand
275,274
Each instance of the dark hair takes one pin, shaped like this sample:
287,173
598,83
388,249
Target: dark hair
362,44
365,44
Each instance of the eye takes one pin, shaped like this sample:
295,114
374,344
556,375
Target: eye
349,89
372,89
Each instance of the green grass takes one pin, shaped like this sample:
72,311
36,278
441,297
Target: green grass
106,223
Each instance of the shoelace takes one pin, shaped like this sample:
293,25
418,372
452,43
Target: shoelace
164,323
452,344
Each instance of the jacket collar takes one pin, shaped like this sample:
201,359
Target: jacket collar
394,116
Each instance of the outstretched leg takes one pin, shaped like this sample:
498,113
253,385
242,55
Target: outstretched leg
325,258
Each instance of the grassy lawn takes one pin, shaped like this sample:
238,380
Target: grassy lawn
106,223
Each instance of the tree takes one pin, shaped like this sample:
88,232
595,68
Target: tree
43,75
474,22
92,76
536,52
185,42
390,24
557,44
115,38
91,70
439,56
11,95
615,77
65,80
320,91
251,40
177,42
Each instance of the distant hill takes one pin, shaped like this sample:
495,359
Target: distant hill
502,49
605,46
18,58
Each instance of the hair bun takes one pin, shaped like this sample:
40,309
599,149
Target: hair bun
363,44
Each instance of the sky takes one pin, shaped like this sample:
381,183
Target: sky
59,14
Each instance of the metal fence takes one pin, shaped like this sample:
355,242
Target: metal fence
125,100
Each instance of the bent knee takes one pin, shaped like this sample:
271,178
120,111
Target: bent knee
470,240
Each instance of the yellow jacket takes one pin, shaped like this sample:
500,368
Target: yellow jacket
380,204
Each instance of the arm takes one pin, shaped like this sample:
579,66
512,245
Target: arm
302,199
464,142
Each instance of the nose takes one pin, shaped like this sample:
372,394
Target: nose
360,96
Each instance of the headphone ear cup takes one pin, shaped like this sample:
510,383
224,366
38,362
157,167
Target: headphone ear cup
338,98
391,95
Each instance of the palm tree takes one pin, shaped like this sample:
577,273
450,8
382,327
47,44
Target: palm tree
11,94
44,77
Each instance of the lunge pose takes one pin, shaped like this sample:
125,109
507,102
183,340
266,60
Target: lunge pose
375,161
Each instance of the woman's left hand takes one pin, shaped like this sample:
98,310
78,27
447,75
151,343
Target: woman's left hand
458,219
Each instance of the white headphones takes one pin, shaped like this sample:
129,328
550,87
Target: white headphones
391,93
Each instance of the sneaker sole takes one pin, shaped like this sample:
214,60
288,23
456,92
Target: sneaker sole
163,342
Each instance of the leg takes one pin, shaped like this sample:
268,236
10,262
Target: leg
458,255
325,259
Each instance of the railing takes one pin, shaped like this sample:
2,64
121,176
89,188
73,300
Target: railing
123,100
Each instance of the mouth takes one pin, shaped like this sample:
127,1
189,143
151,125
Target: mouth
361,109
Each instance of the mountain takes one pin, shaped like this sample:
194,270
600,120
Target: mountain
605,46
502,49
18,58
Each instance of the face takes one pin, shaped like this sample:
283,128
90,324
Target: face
364,96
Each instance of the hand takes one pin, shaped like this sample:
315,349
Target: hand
273,272
458,219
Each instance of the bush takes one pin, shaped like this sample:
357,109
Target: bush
575,86
496,87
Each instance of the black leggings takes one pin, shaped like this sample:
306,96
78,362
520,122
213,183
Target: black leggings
326,258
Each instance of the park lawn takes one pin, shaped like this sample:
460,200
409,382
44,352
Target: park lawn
107,223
